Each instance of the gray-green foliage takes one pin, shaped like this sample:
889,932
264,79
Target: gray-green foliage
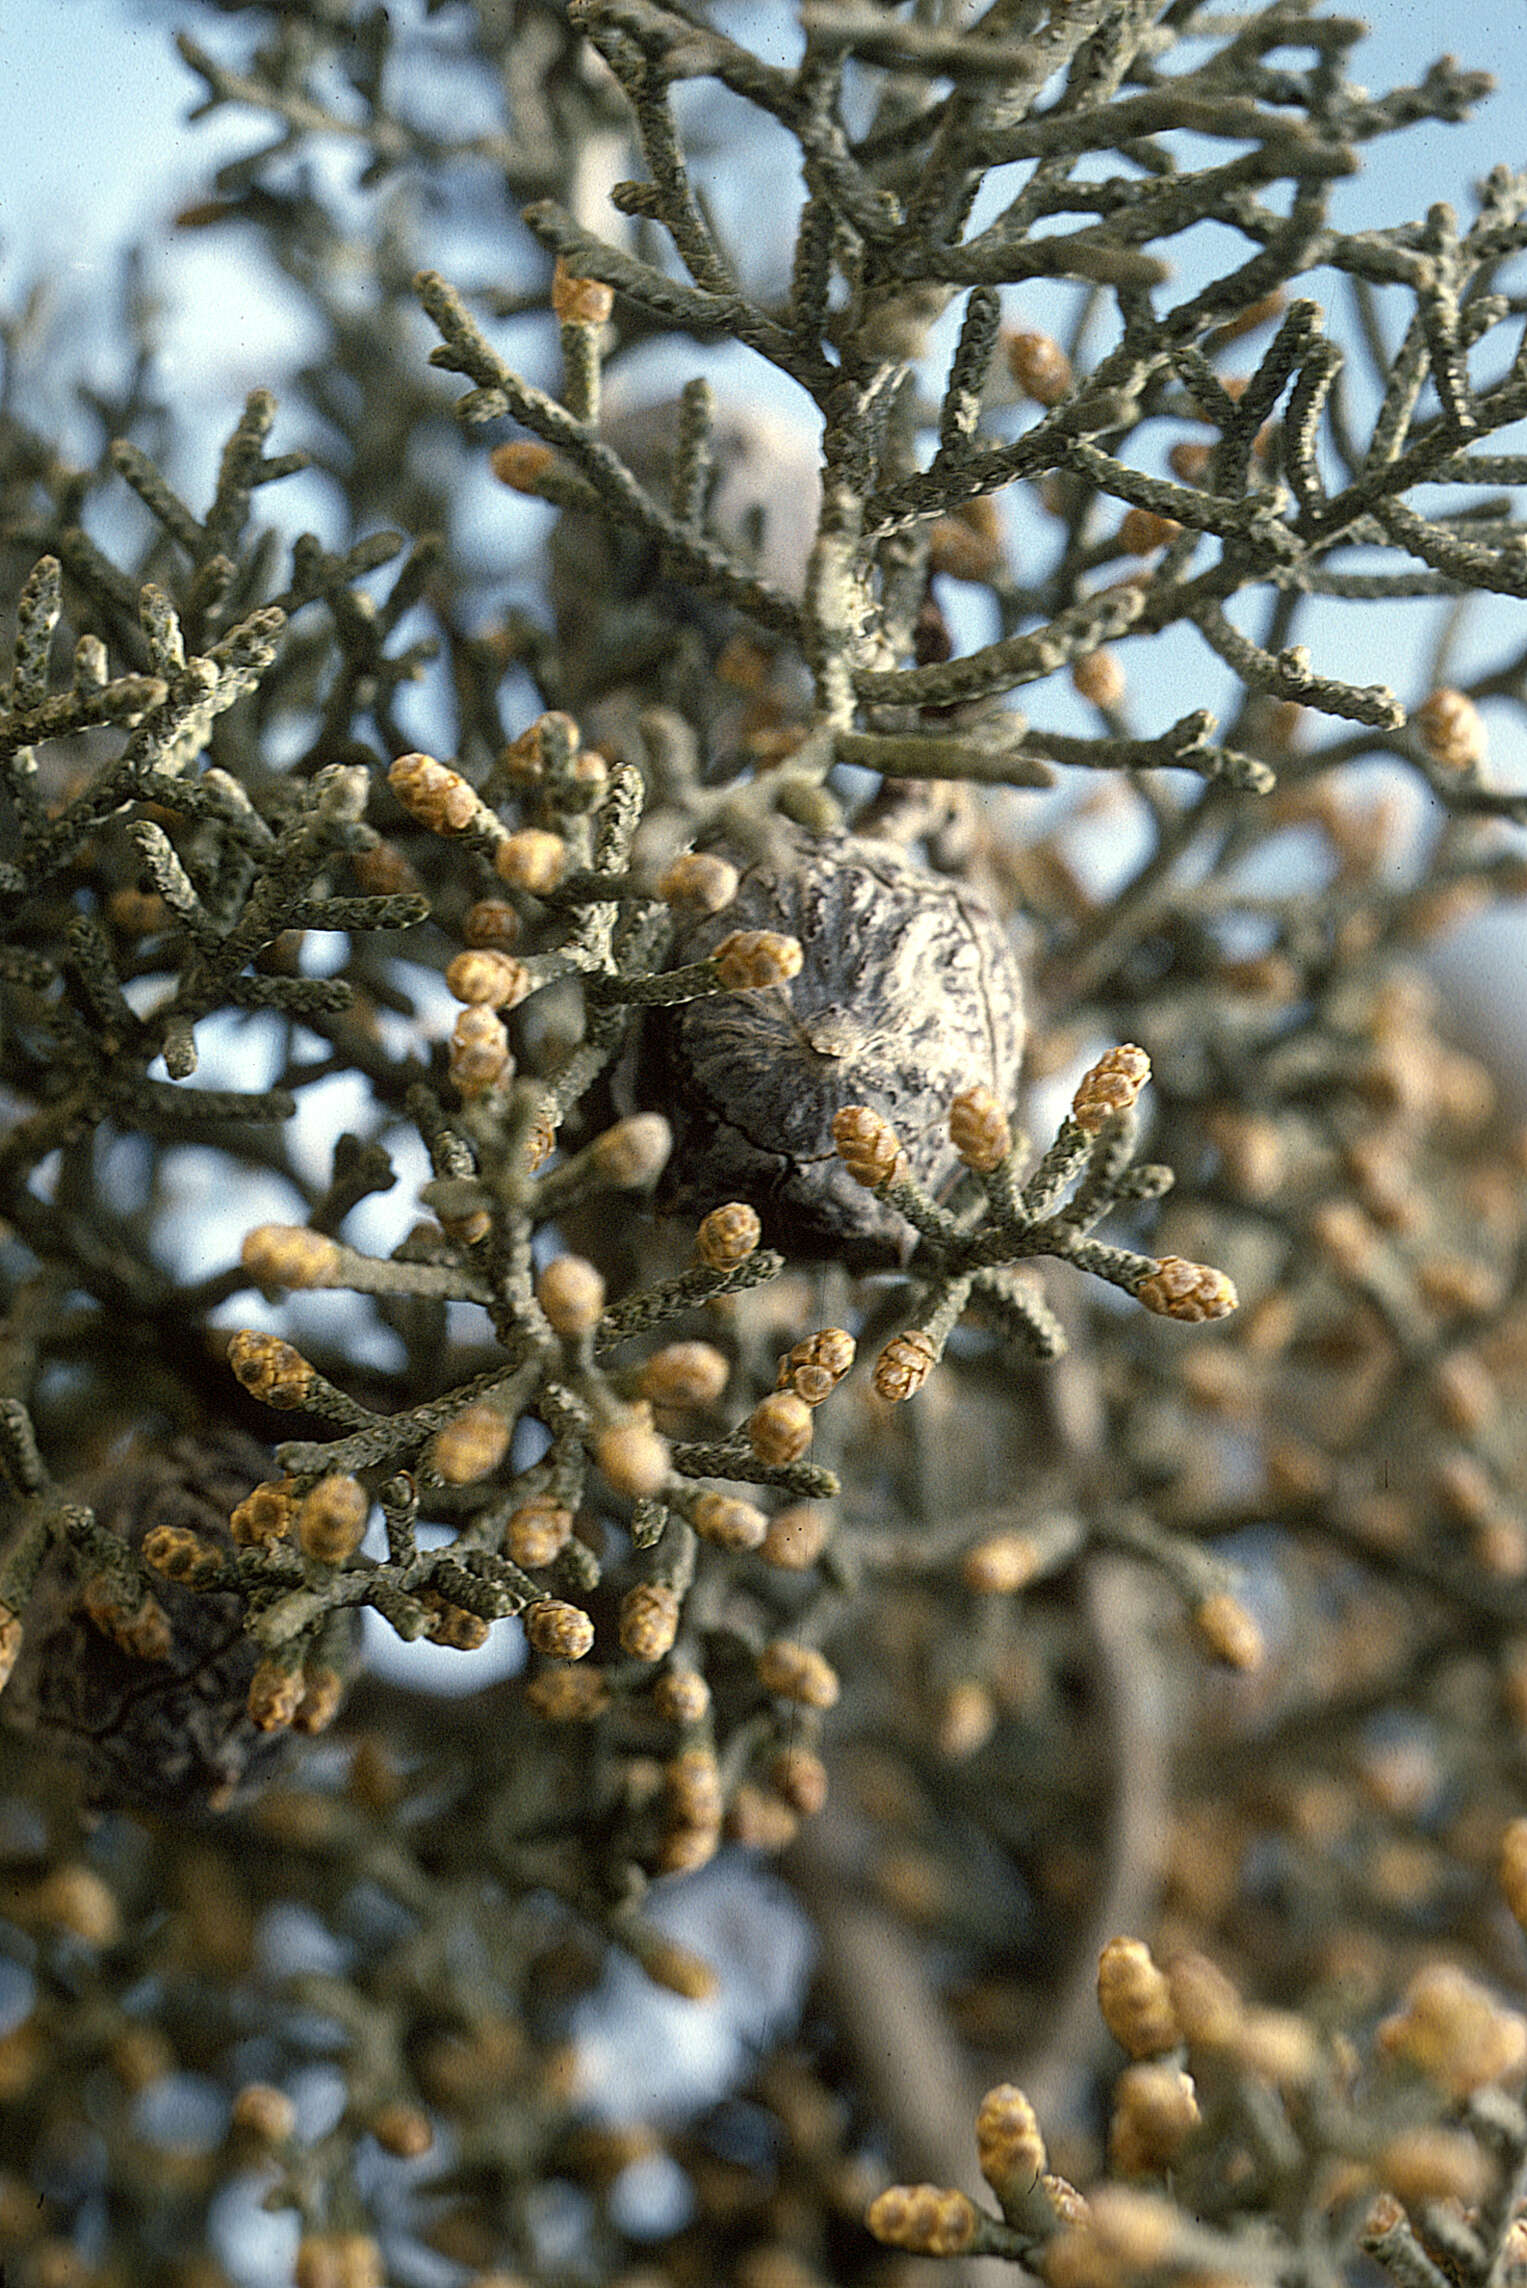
223,748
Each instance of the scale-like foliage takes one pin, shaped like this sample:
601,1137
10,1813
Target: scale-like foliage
693,939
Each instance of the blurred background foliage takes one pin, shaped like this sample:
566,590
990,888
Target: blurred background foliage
1212,1635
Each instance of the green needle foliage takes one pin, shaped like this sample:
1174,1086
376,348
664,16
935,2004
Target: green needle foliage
1096,1566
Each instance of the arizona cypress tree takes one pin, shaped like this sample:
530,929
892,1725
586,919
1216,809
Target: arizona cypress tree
775,991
